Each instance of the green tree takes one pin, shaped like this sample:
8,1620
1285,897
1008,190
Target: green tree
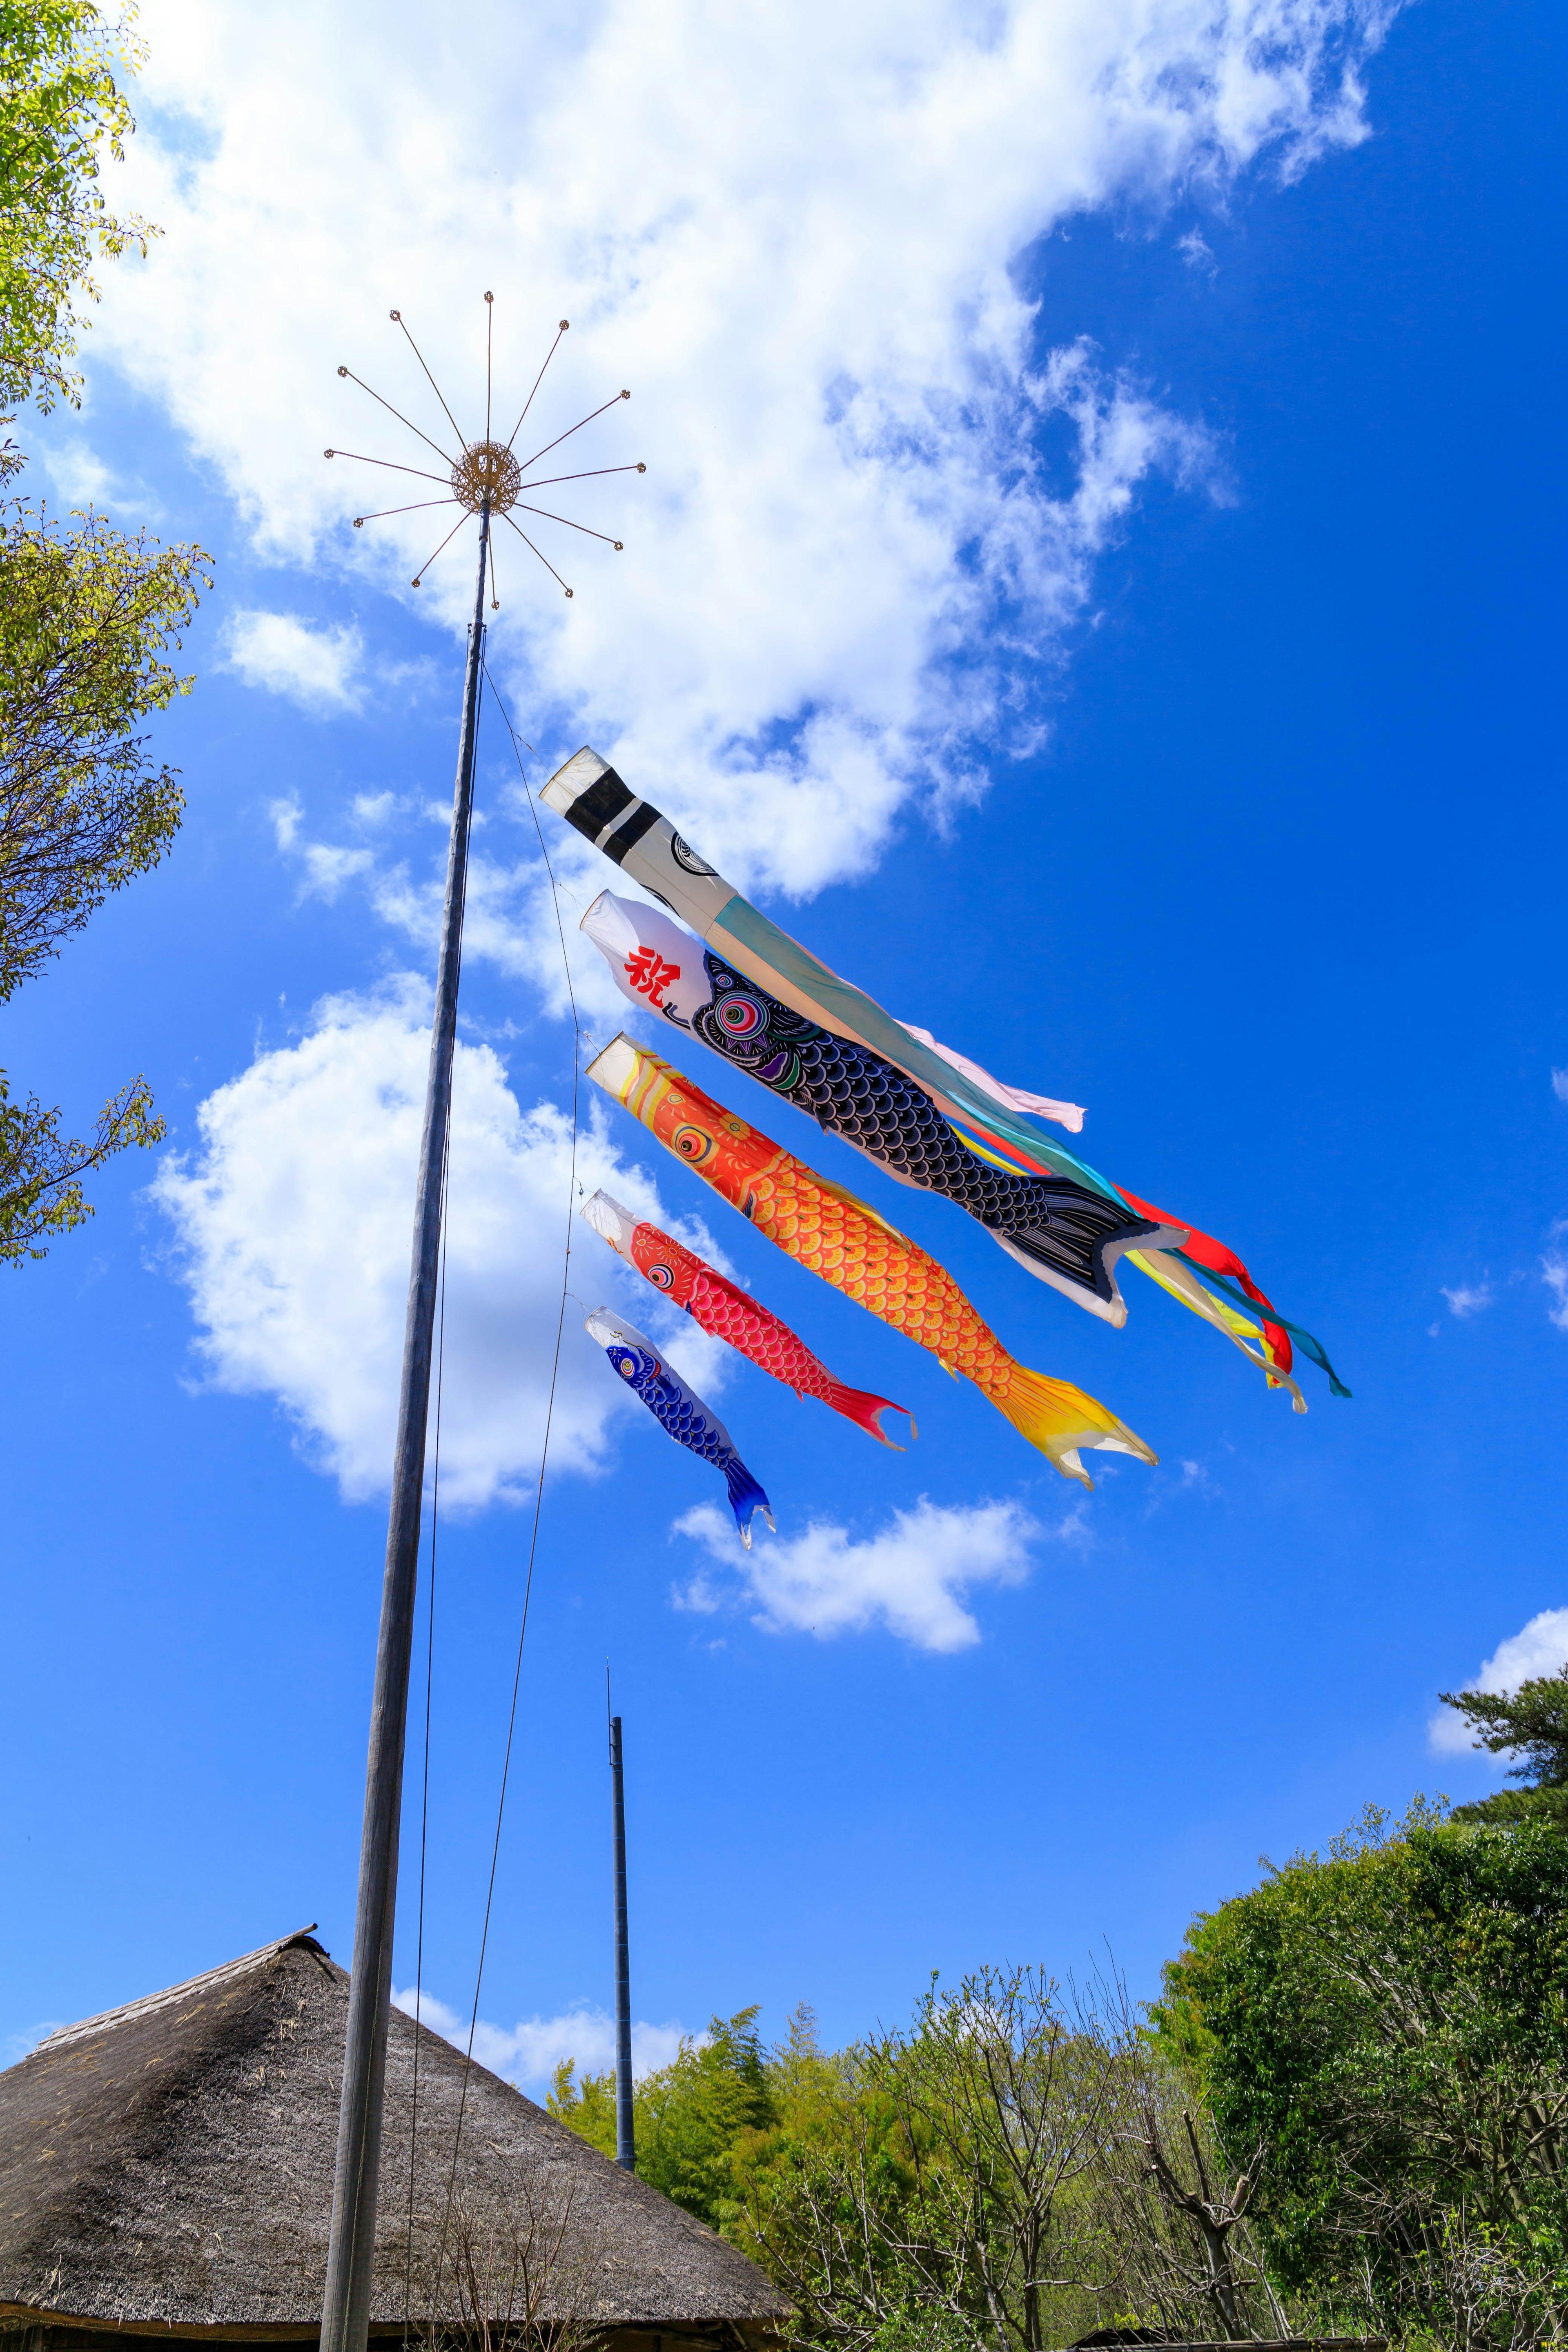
688,2117
1388,2027
1532,1725
690,2114
86,614
588,2105
86,618
62,107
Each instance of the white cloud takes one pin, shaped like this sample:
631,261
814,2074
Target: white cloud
912,1576
530,2052
1540,1649
1467,1298
510,916
317,668
1554,1275
793,231
1560,1084
293,1223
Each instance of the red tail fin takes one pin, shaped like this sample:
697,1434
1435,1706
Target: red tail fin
864,1410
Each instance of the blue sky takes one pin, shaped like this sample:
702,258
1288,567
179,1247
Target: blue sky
1095,584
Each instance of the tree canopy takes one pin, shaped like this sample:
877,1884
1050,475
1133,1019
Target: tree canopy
87,612
61,105
1389,2026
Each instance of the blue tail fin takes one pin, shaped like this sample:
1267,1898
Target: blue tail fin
746,1498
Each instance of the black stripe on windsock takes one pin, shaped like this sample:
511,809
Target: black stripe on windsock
628,833
605,799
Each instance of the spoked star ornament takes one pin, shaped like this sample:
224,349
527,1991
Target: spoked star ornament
485,477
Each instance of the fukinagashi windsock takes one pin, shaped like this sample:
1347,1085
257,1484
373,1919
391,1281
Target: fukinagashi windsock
829,1232
728,1312
680,1411
993,1121
1057,1229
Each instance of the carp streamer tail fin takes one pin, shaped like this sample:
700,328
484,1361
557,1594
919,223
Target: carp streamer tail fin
746,1498
1058,1418
866,1410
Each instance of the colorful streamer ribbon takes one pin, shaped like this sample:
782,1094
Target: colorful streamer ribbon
680,1413
839,1237
728,1312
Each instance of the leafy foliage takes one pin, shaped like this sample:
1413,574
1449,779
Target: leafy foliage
687,2116
85,617
85,614
1390,2026
60,106
41,1170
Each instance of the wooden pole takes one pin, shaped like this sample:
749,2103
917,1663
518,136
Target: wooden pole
626,2142
345,2315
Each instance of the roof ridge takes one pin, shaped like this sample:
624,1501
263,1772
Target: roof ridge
153,2001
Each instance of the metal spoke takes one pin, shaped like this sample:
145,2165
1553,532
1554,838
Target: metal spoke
490,348
616,543
398,412
569,429
544,559
495,593
430,560
430,379
359,459
417,507
593,473
539,379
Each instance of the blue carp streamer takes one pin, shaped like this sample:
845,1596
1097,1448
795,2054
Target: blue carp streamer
679,1412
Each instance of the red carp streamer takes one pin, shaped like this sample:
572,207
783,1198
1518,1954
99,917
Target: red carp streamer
728,1312
823,1227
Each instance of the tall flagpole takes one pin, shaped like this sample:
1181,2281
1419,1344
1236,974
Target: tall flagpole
625,2142
345,2317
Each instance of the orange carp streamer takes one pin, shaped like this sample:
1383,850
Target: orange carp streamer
833,1235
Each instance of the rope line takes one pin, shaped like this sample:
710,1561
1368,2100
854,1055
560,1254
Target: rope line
538,1492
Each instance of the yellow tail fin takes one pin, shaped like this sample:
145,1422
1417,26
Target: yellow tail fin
1060,1419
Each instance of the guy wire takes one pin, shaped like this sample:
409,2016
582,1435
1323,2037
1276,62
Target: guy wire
539,1489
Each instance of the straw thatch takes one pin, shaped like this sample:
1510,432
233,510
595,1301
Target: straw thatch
169,2166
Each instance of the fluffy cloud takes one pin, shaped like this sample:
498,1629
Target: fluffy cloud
912,1576
530,2052
874,503
292,1226
511,917
1540,1649
317,668
1560,1084
1467,1298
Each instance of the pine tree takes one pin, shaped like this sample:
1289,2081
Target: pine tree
1532,1724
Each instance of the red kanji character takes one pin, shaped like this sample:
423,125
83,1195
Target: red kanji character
649,974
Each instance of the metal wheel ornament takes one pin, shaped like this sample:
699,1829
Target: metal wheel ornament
486,476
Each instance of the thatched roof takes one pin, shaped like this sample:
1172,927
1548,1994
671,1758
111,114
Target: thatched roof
169,2165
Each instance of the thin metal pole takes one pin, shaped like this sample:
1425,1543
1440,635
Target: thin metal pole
626,2142
345,2315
